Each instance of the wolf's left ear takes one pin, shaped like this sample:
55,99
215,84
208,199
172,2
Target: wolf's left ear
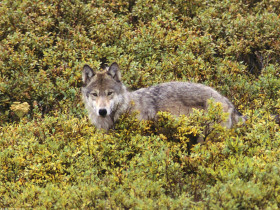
114,71
87,74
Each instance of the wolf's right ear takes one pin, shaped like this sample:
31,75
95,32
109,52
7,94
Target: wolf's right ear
87,74
114,71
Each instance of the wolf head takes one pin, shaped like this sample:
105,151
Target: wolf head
102,91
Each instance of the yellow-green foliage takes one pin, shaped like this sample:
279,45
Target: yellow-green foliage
52,157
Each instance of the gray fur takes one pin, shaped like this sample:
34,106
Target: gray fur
104,90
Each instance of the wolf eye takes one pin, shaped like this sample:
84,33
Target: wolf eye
110,93
94,94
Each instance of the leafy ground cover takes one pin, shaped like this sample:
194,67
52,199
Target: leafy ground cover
52,157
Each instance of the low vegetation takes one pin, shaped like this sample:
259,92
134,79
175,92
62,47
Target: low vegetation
52,157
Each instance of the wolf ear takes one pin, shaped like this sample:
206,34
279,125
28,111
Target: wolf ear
114,71
87,74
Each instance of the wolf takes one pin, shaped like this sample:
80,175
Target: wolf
106,98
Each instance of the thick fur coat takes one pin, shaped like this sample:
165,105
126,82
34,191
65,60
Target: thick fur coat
106,98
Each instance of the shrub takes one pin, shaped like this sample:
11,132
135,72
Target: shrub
51,157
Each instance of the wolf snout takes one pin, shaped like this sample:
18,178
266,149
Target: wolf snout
102,112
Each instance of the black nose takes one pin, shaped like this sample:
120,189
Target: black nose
103,112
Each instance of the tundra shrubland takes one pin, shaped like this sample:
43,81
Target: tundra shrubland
52,157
